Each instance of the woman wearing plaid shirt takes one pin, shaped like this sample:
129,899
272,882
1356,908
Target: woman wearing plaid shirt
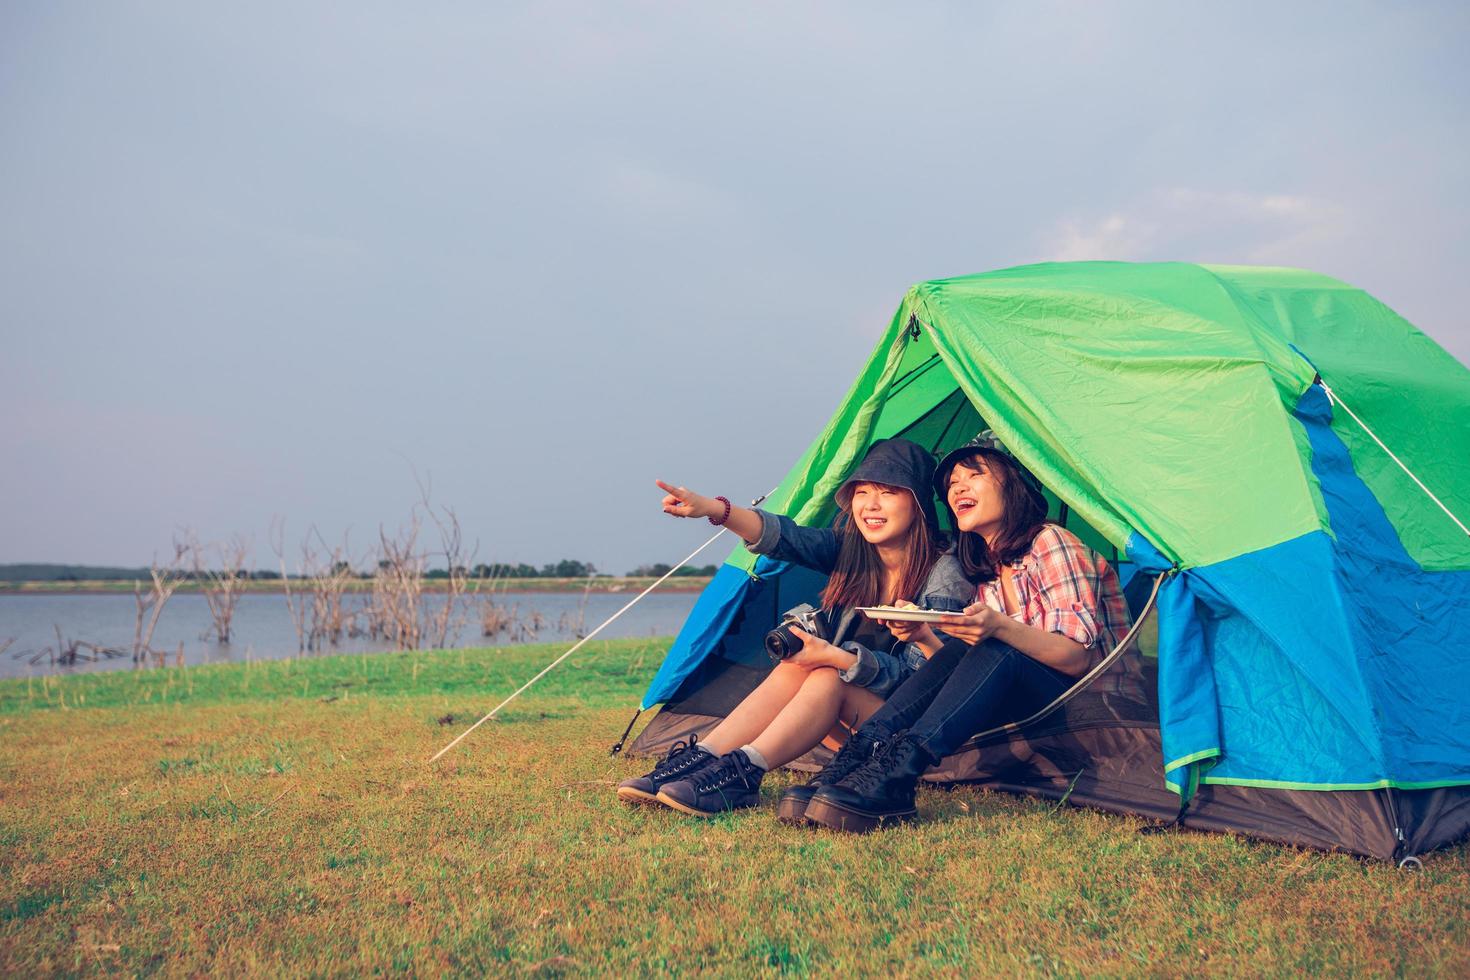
1047,610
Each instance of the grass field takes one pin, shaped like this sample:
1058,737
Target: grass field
278,817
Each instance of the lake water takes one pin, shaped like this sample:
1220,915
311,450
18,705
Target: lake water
263,627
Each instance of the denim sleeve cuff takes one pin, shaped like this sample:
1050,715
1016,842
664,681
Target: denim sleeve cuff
865,670
770,535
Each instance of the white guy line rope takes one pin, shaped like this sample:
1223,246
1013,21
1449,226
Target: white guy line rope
1332,397
578,645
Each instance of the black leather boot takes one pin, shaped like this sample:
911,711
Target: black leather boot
858,748
880,792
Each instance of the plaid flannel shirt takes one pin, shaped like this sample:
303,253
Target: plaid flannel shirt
1065,587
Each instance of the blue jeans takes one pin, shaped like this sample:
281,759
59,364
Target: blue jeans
963,690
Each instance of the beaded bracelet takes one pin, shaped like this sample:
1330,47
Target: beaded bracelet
723,518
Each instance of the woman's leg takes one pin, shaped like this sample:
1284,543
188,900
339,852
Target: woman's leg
912,698
991,683
760,707
732,781
989,680
823,700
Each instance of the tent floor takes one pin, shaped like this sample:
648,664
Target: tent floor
1110,748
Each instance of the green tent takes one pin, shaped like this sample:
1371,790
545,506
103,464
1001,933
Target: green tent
1284,449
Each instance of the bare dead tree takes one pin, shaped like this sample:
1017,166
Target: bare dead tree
296,606
494,617
222,584
576,622
164,580
317,606
447,619
328,573
395,610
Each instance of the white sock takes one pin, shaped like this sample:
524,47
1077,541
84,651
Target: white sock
754,755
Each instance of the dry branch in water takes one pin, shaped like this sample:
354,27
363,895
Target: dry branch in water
149,605
317,607
394,612
294,605
221,585
398,610
328,577
451,542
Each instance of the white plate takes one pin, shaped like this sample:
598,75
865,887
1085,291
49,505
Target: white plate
903,615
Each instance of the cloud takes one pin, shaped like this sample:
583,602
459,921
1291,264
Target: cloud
1116,236
1186,223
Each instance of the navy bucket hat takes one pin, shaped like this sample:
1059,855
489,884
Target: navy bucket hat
897,463
986,442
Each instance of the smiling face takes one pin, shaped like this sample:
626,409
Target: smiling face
976,495
883,514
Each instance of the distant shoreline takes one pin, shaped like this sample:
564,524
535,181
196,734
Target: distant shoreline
483,587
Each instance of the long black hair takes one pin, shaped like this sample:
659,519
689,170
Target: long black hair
857,579
1022,520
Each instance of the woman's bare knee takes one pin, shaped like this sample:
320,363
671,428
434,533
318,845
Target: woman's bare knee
785,675
824,678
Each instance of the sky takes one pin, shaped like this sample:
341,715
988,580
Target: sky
286,264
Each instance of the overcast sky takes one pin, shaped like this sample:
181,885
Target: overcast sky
268,260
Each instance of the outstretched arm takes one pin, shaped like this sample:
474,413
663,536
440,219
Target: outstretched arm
683,502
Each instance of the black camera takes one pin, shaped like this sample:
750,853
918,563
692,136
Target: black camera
782,643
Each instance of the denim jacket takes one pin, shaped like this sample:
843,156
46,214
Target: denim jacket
880,671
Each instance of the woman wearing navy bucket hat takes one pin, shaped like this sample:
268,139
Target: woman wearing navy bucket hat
1047,610
885,547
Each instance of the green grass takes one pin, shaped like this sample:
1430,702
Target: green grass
278,817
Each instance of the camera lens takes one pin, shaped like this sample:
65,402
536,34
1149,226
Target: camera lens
782,643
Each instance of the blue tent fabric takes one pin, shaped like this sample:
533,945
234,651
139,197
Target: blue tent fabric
1411,653
708,621
1325,662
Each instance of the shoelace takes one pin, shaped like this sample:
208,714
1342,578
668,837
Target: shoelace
871,772
849,758
722,775
680,757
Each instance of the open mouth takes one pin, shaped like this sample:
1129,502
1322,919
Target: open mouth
963,504
875,522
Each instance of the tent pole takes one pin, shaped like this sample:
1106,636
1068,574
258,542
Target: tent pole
1085,679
